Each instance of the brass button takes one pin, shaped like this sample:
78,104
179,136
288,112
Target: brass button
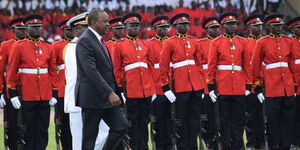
189,71
38,67
39,76
231,56
187,54
37,59
230,40
278,48
142,73
138,56
36,51
279,56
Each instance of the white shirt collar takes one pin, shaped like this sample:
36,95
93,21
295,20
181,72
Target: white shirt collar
99,37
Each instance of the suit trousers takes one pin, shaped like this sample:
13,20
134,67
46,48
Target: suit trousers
188,105
280,122
10,121
36,117
296,139
232,110
162,112
138,111
115,119
255,123
66,137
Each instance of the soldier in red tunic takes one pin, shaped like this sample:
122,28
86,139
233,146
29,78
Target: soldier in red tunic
276,51
32,70
161,105
10,114
212,27
294,26
60,116
132,73
228,76
255,123
117,29
187,80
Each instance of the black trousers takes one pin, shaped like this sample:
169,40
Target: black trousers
255,122
188,105
209,125
162,112
114,117
296,139
138,110
36,117
10,121
232,110
280,116
66,137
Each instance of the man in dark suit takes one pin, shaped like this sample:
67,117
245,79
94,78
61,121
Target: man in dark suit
95,86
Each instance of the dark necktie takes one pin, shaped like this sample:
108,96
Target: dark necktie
105,48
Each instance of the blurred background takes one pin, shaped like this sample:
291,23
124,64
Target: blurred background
55,11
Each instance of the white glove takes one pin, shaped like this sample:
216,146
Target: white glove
77,109
170,95
202,96
247,93
52,101
15,102
2,101
213,96
261,97
123,97
154,96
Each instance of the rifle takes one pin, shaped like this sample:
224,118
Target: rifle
202,130
58,124
217,136
175,124
265,125
22,130
152,124
6,126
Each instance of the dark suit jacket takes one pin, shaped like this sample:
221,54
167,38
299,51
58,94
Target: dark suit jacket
95,78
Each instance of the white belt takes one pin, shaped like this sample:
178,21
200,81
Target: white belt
156,66
33,71
183,63
277,65
297,61
135,65
204,66
60,67
229,67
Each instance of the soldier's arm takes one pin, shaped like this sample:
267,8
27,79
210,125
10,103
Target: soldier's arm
52,71
256,61
118,69
212,65
292,63
164,65
14,61
2,66
246,66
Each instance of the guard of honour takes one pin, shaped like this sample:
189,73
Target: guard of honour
169,82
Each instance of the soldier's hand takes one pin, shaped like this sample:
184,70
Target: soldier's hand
154,96
52,101
261,97
114,99
123,97
213,96
170,95
15,102
2,101
247,92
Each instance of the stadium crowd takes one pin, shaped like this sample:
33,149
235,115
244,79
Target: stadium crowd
55,11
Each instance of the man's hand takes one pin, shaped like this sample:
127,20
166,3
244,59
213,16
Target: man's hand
114,99
2,101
